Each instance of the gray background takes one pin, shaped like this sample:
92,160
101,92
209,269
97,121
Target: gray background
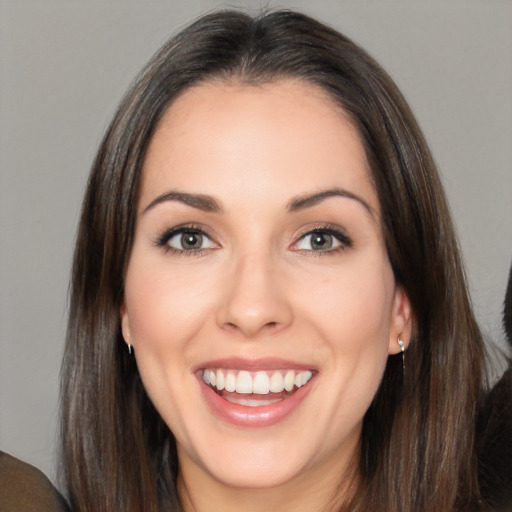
64,66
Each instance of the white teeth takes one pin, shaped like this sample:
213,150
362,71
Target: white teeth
302,378
289,380
220,380
276,383
251,403
230,384
260,383
244,383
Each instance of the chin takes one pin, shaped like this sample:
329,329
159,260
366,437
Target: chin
256,469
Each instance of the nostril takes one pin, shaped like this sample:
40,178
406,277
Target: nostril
251,331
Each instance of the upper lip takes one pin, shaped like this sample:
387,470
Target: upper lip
261,364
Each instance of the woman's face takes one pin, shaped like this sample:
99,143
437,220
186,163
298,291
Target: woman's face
259,297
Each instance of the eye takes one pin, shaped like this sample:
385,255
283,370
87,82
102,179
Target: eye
186,239
323,240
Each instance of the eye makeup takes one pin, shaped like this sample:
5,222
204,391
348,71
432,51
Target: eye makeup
323,240
193,240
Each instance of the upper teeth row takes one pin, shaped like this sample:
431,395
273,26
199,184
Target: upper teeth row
257,382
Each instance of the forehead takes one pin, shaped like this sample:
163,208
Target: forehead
236,139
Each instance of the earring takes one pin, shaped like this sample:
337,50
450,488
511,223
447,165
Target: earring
402,347
127,341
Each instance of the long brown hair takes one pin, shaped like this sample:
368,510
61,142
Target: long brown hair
417,439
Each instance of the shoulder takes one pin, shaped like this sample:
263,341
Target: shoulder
23,488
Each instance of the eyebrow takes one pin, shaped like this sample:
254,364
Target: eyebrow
199,201
307,201
209,204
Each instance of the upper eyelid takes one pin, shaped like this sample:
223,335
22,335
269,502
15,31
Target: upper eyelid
327,227
188,227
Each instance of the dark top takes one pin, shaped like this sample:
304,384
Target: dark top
23,488
494,431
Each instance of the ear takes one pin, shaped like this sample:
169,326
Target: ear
401,322
125,324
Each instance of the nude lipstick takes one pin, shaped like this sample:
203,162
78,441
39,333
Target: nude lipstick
254,393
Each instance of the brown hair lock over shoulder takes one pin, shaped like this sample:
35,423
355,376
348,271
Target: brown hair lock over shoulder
417,435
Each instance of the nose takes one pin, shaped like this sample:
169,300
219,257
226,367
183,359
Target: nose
254,299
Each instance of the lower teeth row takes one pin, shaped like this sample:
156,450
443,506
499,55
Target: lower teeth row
251,402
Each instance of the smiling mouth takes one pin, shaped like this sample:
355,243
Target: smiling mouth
255,389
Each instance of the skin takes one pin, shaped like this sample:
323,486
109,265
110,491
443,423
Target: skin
260,289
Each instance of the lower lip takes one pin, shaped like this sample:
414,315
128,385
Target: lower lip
256,417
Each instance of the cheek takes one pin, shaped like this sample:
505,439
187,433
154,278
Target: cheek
353,307
352,314
165,313
164,308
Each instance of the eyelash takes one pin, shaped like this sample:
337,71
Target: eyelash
345,242
163,240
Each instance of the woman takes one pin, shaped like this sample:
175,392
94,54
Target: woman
268,308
